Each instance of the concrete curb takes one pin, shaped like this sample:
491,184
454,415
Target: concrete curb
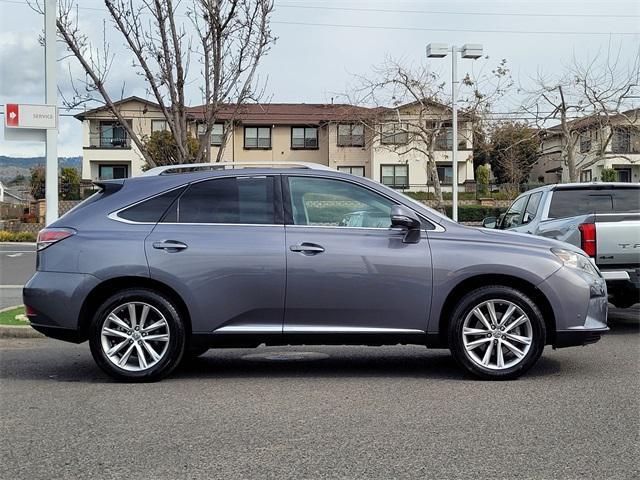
19,331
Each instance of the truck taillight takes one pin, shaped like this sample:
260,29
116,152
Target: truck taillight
588,238
49,236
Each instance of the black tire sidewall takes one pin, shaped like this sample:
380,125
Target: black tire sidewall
177,335
496,292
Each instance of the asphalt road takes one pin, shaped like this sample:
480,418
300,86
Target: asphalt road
17,264
356,412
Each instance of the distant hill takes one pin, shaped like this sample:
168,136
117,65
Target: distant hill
11,167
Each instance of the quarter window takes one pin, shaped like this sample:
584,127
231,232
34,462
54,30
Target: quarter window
152,210
395,176
325,202
350,135
257,137
245,200
304,137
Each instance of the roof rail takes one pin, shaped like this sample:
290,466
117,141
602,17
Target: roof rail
192,167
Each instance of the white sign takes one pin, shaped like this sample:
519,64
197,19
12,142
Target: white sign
31,116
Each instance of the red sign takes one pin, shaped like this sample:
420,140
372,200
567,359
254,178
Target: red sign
13,115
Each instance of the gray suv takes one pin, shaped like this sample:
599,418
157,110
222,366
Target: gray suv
164,266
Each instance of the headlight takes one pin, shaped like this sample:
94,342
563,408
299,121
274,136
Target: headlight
575,260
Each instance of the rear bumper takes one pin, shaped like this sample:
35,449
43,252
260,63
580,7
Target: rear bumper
623,281
56,300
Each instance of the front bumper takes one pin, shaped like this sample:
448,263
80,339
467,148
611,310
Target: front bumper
579,303
55,300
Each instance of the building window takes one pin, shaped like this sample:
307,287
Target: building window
395,176
217,133
159,126
585,176
624,174
359,171
444,139
445,174
113,135
257,137
394,134
304,138
350,135
585,142
625,140
111,172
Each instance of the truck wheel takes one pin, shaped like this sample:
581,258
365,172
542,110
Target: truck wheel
496,332
137,335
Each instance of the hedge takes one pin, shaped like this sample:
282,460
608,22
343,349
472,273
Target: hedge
17,236
475,213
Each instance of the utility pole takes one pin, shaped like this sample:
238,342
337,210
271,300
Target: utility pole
51,98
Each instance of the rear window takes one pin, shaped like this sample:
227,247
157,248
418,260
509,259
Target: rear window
152,210
235,200
568,203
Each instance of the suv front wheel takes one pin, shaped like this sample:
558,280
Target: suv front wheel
497,332
137,335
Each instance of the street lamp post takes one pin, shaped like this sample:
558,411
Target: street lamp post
441,50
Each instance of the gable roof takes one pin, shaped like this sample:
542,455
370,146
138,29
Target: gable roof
133,98
588,120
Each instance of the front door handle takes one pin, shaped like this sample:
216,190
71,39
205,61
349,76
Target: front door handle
307,248
169,245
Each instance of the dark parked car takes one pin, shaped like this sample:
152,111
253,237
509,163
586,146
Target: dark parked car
159,267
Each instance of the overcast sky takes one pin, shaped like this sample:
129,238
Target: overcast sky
315,59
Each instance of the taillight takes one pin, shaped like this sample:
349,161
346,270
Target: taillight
588,238
49,236
29,311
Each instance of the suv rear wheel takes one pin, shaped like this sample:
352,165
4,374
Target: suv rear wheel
137,335
497,332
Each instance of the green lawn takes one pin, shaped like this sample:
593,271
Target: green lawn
8,317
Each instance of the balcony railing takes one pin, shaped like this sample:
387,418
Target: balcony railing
103,141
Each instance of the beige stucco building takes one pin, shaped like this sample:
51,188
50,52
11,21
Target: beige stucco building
621,153
330,134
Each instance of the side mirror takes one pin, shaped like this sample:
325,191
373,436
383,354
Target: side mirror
402,217
490,222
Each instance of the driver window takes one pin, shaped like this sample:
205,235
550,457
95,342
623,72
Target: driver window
326,202
532,207
513,217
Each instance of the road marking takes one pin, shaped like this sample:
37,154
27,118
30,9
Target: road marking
8,287
16,251
14,255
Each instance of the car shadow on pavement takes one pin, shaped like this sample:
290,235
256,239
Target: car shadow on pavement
226,364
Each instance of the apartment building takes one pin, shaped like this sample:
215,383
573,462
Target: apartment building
341,136
621,151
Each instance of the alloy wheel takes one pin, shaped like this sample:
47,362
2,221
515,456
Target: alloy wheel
497,334
135,336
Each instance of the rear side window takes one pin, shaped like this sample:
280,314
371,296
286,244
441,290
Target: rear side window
152,210
236,200
568,203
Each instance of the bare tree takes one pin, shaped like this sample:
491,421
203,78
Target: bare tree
225,38
588,96
413,113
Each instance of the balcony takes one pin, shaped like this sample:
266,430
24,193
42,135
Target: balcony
109,141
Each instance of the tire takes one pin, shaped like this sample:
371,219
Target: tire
160,342
469,346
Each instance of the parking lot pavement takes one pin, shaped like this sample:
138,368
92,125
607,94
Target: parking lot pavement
17,264
352,412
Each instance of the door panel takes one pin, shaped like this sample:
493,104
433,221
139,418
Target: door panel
227,274
364,279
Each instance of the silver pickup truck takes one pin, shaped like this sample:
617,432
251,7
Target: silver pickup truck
601,218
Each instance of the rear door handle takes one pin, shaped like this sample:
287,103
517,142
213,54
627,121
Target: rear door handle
307,248
169,245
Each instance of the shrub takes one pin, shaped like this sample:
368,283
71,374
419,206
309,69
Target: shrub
474,213
482,178
17,236
609,175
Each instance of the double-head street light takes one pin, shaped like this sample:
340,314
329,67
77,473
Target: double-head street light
441,50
